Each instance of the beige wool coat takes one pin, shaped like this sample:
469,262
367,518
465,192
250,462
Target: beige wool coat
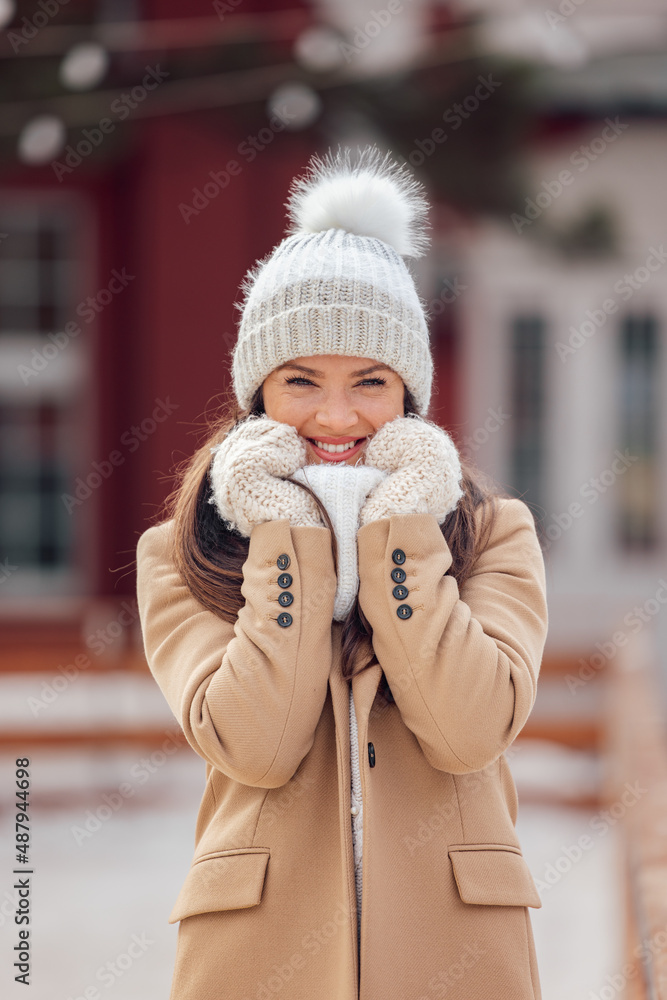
268,907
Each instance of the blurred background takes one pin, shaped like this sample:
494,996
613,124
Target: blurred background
146,151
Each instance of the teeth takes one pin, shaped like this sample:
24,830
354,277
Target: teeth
335,447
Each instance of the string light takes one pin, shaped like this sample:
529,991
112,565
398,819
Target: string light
528,36
318,49
301,102
84,66
7,11
41,139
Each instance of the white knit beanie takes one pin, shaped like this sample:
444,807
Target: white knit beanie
338,283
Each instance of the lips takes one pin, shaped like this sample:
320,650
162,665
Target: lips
342,448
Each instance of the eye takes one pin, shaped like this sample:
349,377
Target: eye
373,381
298,380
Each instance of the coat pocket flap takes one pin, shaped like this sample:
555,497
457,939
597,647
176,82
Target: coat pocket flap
228,880
493,874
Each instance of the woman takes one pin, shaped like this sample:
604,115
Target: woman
349,627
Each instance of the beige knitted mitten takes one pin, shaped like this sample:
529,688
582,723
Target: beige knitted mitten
247,473
424,468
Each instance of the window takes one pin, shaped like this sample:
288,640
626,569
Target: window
527,408
638,487
41,380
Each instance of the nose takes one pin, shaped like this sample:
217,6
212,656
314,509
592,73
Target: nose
336,414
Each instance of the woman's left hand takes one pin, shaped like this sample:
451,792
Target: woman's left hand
424,466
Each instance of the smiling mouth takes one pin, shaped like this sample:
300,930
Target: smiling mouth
335,452
336,449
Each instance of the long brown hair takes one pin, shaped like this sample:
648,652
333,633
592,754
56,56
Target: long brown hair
210,556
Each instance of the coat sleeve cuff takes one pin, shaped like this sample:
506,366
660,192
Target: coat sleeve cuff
462,666
419,532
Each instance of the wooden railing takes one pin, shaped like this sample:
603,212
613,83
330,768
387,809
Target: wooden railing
635,754
104,639
106,631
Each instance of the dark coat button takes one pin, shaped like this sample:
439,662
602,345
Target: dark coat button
284,581
371,755
283,561
284,619
398,555
403,610
398,575
400,592
285,599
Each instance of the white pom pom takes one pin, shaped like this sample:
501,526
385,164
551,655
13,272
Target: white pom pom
374,196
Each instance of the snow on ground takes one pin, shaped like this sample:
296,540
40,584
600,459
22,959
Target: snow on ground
107,870
574,856
578,930
104,881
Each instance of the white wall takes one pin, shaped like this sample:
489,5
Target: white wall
592,584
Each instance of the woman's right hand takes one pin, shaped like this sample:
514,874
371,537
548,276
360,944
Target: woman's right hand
248,473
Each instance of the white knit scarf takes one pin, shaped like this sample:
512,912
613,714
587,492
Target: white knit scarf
342,489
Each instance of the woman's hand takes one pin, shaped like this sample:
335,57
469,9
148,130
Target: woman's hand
424,467
247,476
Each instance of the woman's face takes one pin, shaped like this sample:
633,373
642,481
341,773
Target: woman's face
334,401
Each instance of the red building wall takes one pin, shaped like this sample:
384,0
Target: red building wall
161,347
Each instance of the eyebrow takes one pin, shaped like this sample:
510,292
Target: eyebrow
316,374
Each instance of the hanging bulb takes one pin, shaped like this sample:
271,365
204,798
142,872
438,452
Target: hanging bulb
41,139
7,11
296,103
84,66
319,49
